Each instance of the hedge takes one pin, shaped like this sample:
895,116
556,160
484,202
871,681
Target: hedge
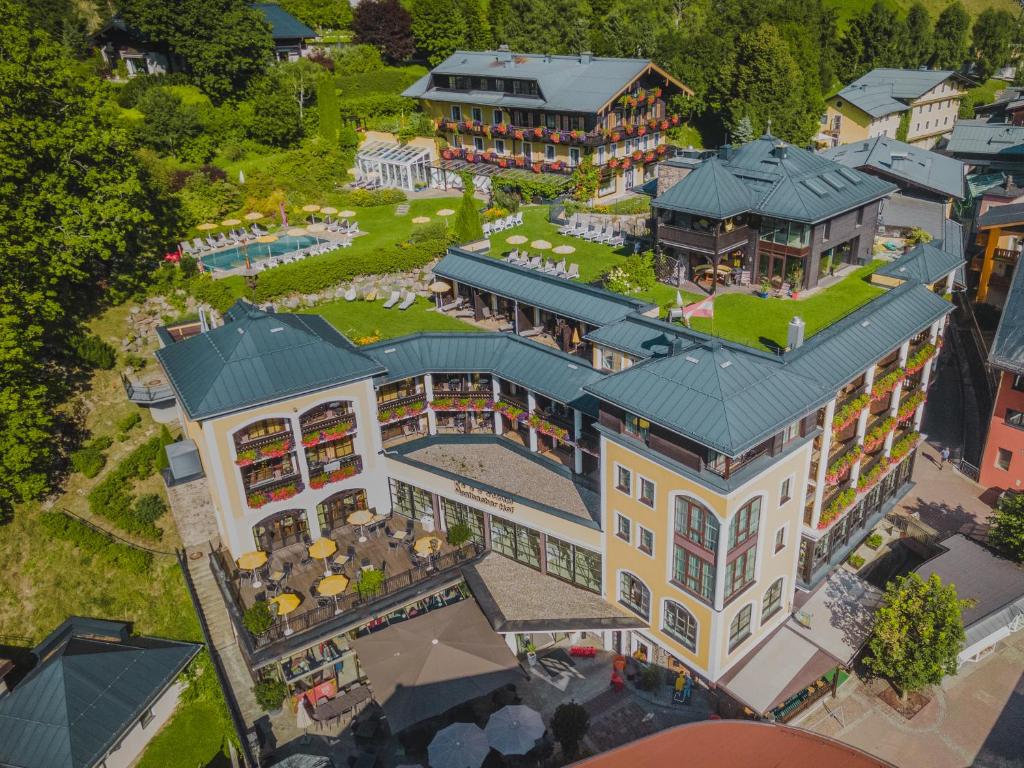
112,497
320,272
60,526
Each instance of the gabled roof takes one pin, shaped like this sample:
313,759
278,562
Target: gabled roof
643,337
902,211
924,263
1001,216
977,138
259,357
1007,350
898,160
594,306
883,91
719,394
92,683
710,190
283,25
541,368
574,83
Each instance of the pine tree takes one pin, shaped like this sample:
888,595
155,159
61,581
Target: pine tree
743,131
467,227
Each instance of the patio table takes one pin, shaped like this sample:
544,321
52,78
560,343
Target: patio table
339,705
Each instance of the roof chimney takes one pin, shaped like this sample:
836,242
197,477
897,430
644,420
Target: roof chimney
725,152
781,151
585,57
676,347
795,333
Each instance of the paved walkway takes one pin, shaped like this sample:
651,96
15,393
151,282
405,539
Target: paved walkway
974,719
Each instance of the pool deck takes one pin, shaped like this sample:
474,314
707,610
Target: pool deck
220,272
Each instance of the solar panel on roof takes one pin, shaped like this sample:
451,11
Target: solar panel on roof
815,187
833,182
849,175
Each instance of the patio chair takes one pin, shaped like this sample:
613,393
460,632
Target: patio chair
560,269
393,299
534,263
573,273
522,259
408,301
486,312
345,243
199,246
513,256
351,552
548,268
616,240
185,248
354,228
211,242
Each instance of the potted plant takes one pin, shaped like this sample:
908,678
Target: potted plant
765,288
796,280
459,534
257,618
270,693
531,654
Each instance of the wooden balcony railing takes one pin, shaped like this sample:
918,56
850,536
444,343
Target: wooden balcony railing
329,420
594,138
245,441
703,241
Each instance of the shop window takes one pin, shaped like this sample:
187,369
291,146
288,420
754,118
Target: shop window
573,564
409,501
739,629
518,542
680,625
462,514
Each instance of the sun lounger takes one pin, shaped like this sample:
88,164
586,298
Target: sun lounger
531,332
408,301
199,246
616,240
534,263
346,243
574,221
574,272
185,248
350,294
517,219
559,270
451,305
393,299
487,230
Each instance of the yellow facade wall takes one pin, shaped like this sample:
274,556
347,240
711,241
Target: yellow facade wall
853,122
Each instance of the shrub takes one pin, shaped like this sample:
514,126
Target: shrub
88,460
357,59
569,725
217,293
129,360
270,693
370,198
855,560
165,439
149,508
369,582
459,534
129,422
874,541
129,93
60,526
94,352
529,188
636,274
648,680
257,618
503,198
112,498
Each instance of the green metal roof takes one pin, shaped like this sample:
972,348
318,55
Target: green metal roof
980,139
258,357
1007,351
571,83
585,303
903,162
91,685
643,337
538,367
883,91
283,26
719,394
924,263
1002,215
709,190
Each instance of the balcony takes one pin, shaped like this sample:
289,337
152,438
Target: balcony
703,241
579,138
401,408
328,429
463,391
277,488
335,471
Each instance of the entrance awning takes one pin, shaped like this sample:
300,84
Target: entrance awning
427,665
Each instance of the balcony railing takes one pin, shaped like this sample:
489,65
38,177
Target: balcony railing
327,430
401,408
329,420
593,138
247,442
703,241
463,391
334,471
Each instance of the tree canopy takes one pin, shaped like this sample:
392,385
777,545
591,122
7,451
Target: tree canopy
949,46
1007,531
386,25
992,36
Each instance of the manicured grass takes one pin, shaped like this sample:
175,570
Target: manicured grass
761,323
361,319
686,135
188,738
986,92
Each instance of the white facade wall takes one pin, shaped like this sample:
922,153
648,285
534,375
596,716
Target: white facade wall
134,742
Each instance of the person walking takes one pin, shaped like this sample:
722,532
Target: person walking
943,456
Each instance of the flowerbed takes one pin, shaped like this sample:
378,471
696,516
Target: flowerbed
272,450
386,415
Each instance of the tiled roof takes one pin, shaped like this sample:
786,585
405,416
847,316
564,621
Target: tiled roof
977,138
898,160
258,357
924,263
710,190
283,25
579,302
541,368
1007,351
84,694
884,91
573,83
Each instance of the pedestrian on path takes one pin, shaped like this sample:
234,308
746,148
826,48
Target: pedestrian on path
943,456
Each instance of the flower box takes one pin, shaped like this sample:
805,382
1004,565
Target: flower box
849,413
461,404
920,358
318,436
538,132
909,406
874,439
903,446
285,492
326,478
649,157
547,428
613,163
637,154
272,450
536,167
839,470
662,149
664,125
675,119
508,410
616,137
887,383
518,135
386,415
555,138
843,501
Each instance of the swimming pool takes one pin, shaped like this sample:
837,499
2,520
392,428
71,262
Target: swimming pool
235,257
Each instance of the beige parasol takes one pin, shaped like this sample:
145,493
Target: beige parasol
329,209
426,545
439,286
347,214
206,226
446,212
564,249
311,208
515,240
421,220
540,245
231,222
253,216
296,231
266,239
317,227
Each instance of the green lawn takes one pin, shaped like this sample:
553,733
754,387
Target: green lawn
761,323
188,739
986,92
360,319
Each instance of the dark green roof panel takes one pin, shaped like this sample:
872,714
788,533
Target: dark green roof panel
710,190
283,26
924,263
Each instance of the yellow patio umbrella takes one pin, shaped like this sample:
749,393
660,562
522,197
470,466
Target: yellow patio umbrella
206,226
266,239
321,549
253,216
316,227
250,561
575,337
347,213
231,222
311,208
426,545
329,209
445,212
332,586
286,603
296,231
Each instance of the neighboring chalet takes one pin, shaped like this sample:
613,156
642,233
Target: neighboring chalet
118,41
1008,107
988,147
770,210
94,699
925,100
505,113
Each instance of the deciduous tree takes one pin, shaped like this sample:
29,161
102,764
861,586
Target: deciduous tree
570,724
438,28
1007,531
949,43
919,36
992,36
386,25
321,14
876,37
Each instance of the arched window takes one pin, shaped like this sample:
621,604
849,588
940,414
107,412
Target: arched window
680,625
742,556
696,523
772,602
744,523
635,595
739,629
695,548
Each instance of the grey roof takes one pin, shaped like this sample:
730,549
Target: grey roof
1002,215
258,357
571,83
541,368
184,461
585,303
91,684
980,139
993,584
643,337
925,263
283,26
722,395
710,190
907,212
903,162
884,91
779,180
1007,350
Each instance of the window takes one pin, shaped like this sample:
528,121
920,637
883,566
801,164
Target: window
499,146
478,115
696,524
646,543
498,118
147,717
549,152
527,150
791,433
574,156
647,491
744,523
623,479
739,630
608,363
828,231
680,625
623,527
780,539
499,85
860,216
693,573
574,564
784,494
634,594
478,144
1018,382
772,602
456,112
739,573
516,541
637,427
456,513
600,155
1003,457
1014,418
